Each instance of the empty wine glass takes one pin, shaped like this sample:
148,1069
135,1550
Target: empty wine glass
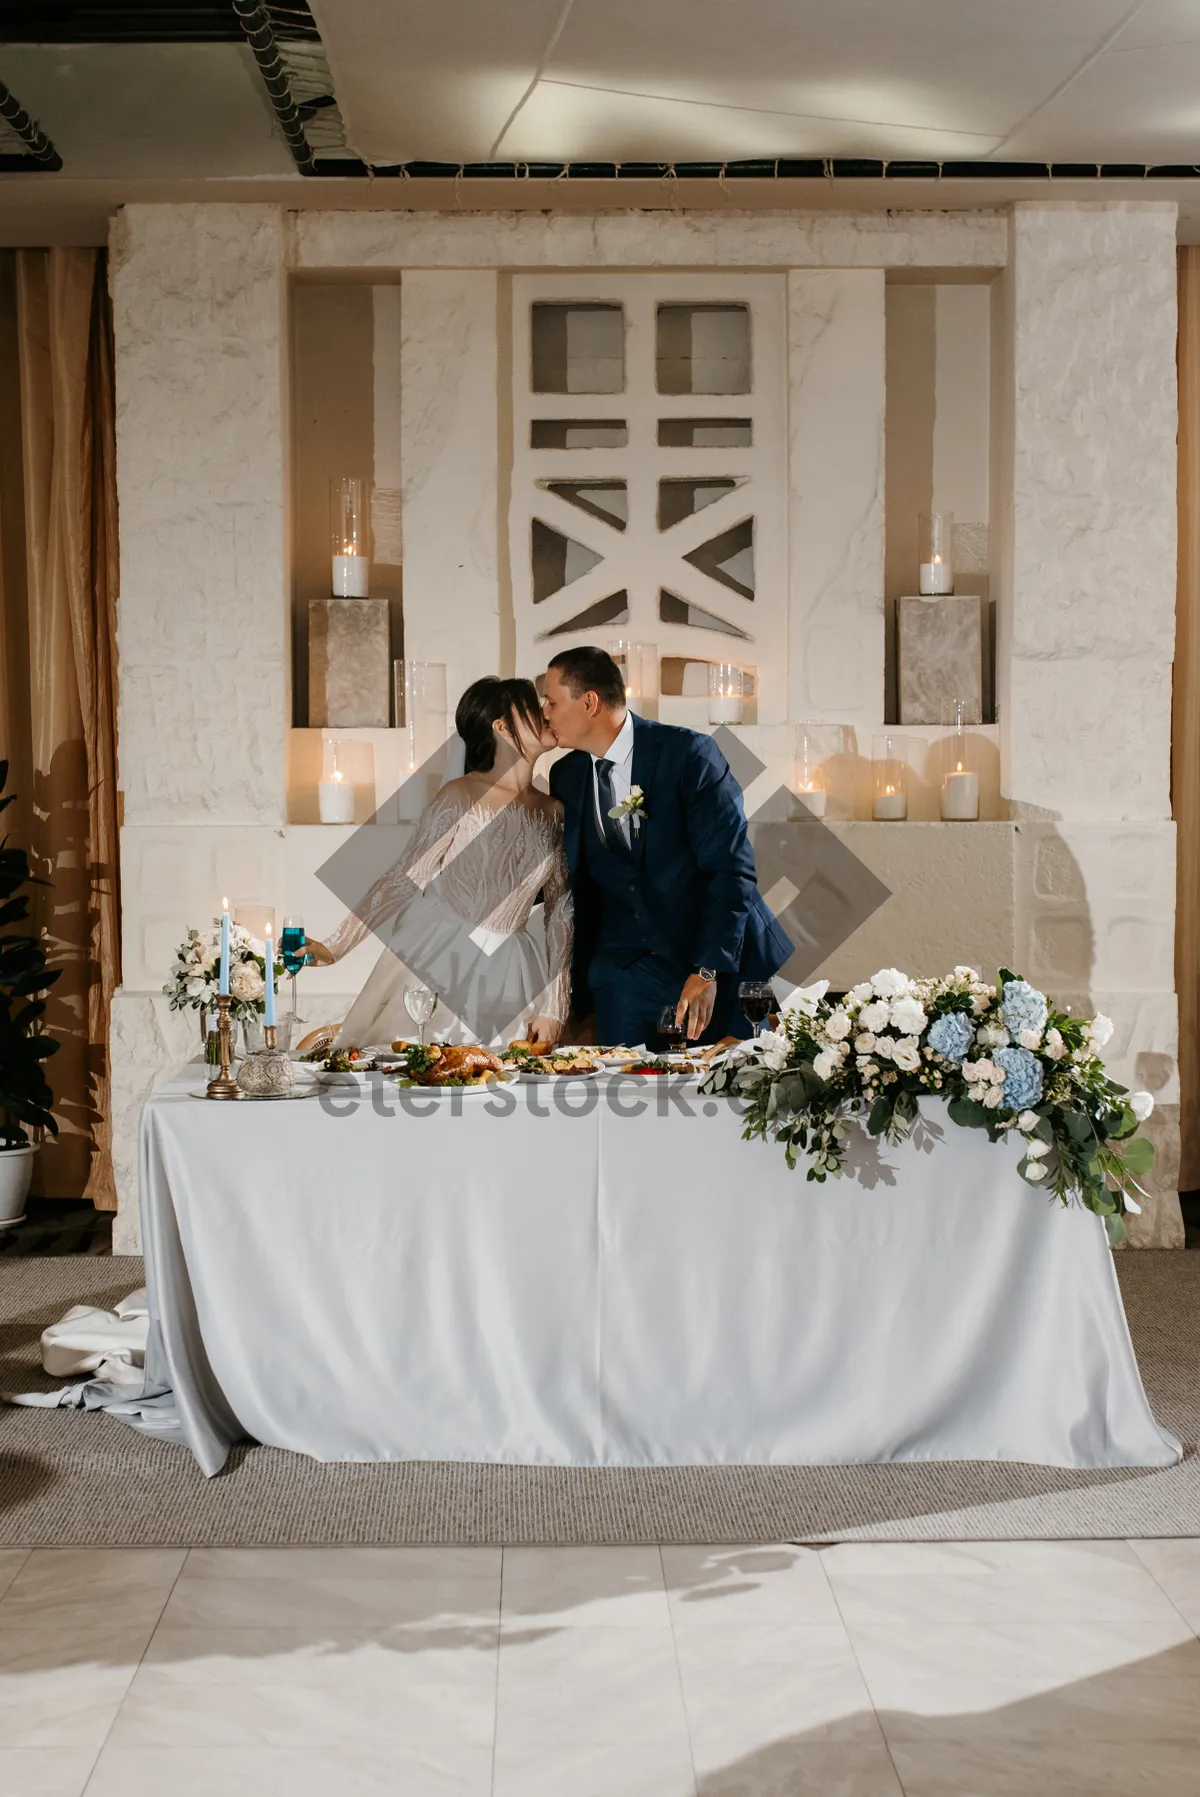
757,999
420,1003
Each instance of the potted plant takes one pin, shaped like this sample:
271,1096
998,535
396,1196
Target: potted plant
25,1095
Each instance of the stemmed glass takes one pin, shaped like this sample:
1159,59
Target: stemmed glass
757,999
420,1003
293,953
674,1033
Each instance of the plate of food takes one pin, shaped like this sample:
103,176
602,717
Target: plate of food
562,1064
345,1067
620,1057
454,1067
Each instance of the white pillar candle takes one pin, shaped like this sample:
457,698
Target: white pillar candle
960,797
724,708
336,800
813,799
936,577
350,576
890,807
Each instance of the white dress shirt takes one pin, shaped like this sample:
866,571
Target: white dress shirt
620,753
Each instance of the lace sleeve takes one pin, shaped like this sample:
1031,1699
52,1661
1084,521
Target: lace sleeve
421,862
560,933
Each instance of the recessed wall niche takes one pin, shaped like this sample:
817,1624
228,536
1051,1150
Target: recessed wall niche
578,349
703,349
345,374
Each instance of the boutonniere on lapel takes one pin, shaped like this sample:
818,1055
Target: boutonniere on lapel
634,808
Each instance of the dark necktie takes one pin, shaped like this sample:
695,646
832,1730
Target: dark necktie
613,835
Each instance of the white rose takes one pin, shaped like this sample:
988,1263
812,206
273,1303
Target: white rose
979,1071
246,982
1141,1104
195,988
1031,1038
860,993
1028,1120
1037,1151
883,1047
865,1043
1035,1170
908,1016
980,1002
890,983
993,1098
774,1051
1100,1030
1055,1048
993,1035
966,973
837,1026
825,1064
635,792
875,1016
907,1056
868,1069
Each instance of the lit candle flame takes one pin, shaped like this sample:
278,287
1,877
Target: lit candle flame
224,904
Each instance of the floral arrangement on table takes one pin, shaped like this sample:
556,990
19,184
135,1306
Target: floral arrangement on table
1000,1056
194,978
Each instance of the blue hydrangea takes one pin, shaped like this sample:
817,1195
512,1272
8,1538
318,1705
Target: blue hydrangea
1023,1008
951,1035
1022,1076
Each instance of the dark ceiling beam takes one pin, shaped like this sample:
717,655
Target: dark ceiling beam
260,35
808,168
42,154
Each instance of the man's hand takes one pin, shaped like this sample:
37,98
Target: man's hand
695,1005
544,1031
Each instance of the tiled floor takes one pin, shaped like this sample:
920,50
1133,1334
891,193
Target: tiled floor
936,1671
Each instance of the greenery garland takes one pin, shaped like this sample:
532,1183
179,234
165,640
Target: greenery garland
1001,1057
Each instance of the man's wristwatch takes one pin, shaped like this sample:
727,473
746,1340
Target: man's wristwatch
706,973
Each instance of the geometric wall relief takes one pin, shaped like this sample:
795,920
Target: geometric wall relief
649,469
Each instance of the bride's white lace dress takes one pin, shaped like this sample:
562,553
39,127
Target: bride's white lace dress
457,914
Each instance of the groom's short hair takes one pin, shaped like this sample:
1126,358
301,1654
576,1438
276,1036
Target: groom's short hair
588,670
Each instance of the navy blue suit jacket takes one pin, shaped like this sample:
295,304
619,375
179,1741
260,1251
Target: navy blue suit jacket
687,890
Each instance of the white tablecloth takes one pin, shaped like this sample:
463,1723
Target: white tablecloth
606,1289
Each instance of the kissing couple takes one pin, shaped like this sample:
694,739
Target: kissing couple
639,853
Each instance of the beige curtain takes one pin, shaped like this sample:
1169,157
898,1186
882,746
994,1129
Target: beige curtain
58,520
1185,722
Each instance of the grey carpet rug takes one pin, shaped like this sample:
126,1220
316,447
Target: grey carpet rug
88,1480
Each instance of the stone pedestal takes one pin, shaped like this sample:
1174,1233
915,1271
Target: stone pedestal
349,662
940,657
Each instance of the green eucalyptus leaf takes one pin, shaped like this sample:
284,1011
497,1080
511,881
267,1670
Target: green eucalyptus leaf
1115,1225
1138,1156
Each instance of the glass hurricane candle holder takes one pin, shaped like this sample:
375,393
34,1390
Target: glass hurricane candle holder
638,663
960,780
726,687
335,795
810,768
349,525
889,776
935,552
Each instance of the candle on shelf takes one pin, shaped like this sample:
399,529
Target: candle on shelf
335,799
889,776
223,978
810,767
960,783
726,684
269,975
348,530
960,796
935,553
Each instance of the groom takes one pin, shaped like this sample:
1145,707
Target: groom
667,907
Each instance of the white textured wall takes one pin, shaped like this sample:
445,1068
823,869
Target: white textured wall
449,451
836,399
1093,526
199,302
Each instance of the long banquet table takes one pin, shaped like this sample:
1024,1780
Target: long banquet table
571,1283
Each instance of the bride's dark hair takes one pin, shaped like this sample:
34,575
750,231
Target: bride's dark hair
483,702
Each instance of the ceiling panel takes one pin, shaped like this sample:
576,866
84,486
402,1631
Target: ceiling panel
417,81
583,124
149,109
1129,106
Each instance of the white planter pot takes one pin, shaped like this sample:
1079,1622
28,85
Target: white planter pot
16,1171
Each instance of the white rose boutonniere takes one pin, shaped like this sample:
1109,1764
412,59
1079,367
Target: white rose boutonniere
634,808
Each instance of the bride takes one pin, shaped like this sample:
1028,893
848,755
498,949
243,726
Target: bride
455,912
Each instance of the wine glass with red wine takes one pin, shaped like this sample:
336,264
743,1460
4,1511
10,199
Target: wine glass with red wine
673,1033
757,999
